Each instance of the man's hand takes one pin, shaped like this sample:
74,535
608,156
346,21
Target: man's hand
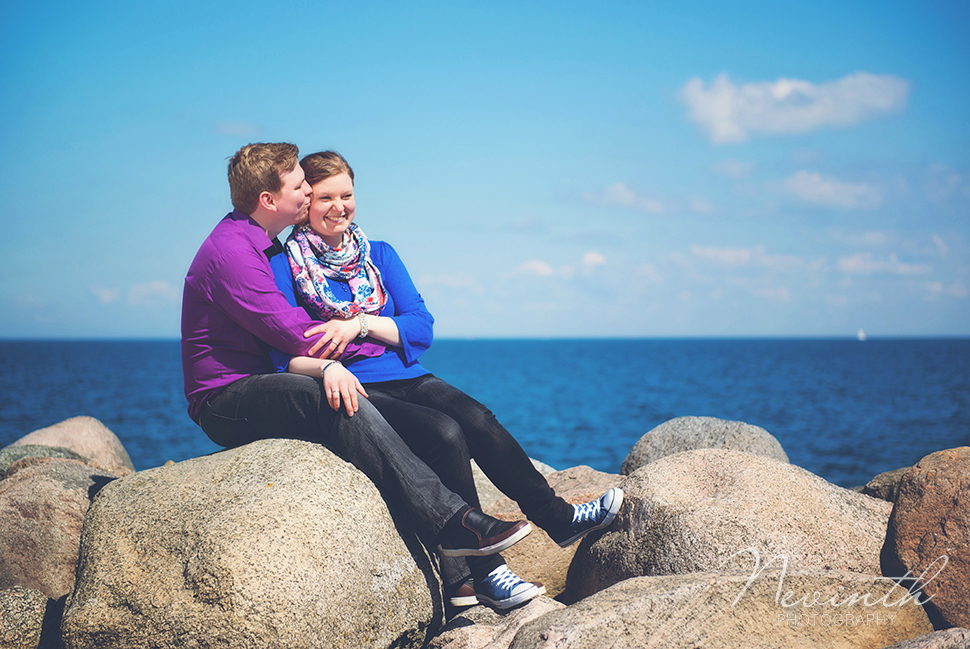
337,333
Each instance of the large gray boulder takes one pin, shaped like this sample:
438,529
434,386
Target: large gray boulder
796,609
715,509
275,544
692,433
11,455
42,508
87,437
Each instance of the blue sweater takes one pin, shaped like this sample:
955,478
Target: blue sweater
404,305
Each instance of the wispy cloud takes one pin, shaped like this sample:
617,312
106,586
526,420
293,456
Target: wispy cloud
619,195
591,260
957,289
870,238
238,129
730,113
826,190
152,295
942,183
864,263
534,267
435,285
736,169
701,206
740,257
105,295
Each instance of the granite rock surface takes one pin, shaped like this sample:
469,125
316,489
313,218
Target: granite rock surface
692,433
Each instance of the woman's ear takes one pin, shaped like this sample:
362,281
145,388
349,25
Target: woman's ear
267,201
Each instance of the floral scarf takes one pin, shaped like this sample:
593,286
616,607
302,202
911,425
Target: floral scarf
312,261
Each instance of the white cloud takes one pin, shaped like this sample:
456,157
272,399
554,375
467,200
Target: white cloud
724,256
702,206
780,294
648,274
737,257
736,169
941,248
530,225
618,194
29,302
534,267
591,260
871,238
730,113
941,183
236,129
826,190
863,263
153,294
105,295
464,283
957,289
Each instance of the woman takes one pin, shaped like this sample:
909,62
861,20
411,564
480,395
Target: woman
361,289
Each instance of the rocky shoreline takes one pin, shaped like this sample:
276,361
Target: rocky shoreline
721,543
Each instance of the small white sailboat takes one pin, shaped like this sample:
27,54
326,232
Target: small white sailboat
861,335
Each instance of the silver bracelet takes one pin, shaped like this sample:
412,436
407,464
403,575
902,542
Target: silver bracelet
363,324
323,370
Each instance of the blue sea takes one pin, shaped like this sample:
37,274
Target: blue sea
843,409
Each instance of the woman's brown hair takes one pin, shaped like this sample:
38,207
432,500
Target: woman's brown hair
323,165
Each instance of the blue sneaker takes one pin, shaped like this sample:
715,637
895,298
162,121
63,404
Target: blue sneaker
591,516
503,589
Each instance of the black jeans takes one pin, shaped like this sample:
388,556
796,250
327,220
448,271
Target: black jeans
293,406
444,426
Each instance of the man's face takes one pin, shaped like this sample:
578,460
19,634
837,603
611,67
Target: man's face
293,199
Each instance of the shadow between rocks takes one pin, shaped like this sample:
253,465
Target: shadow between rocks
423,558
894,569
50,632
98,483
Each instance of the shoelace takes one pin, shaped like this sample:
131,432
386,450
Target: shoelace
586,512
505,580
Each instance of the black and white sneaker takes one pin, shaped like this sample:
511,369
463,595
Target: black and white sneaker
591,516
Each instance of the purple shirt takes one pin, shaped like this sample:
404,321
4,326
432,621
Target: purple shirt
233,314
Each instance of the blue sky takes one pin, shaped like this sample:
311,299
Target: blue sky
546,170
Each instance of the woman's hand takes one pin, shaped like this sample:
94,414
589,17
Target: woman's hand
339,383
337,333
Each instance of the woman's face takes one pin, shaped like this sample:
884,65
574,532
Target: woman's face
332,208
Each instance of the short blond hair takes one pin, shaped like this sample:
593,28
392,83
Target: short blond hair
258,168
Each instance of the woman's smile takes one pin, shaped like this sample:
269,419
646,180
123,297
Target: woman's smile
332,208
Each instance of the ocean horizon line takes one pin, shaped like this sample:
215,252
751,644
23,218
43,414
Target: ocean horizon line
772,337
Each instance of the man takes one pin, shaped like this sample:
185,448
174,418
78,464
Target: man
232,314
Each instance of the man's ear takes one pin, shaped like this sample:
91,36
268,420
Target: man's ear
267,201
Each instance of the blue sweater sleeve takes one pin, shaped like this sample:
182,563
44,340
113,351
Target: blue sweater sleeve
284,282
414,322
